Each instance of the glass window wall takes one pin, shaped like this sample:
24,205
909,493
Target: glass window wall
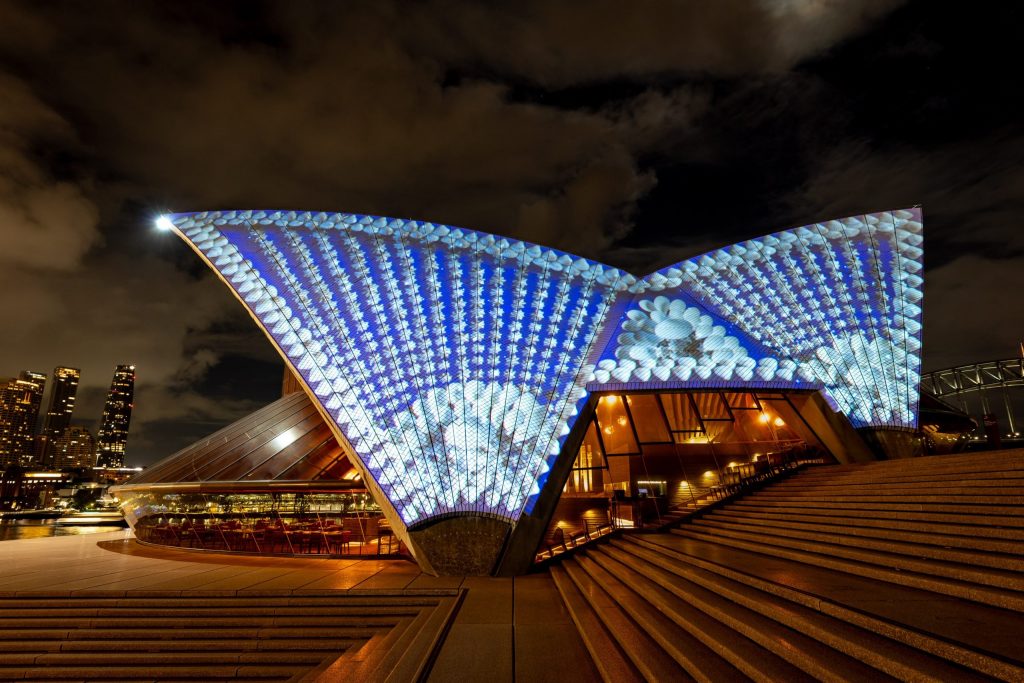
645,457
289,523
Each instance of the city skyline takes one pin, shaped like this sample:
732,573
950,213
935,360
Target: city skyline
58,439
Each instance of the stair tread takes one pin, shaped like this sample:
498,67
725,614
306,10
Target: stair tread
854,496
985,576
990,595
994,559
646,655
831,516
850,647
608,657
924,534
1002,514
948,618
693,655
148,673
756,661
143,645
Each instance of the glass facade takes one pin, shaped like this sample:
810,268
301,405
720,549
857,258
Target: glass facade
276,481
684,447
290,523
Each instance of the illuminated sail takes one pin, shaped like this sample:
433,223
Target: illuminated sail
834,305
451,361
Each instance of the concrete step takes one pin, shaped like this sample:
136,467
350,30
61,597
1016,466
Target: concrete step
255,637
739,653
929,534
1005,460
872,565
993,473
328,642
167,658
403,653
612,663
961,486
981,637
1000,515
909,496
913,521
1013,470
840,649
269,603
671,628
653,663
877,539
137,623
148,673
75,612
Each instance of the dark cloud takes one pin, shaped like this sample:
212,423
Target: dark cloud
973,205
47,223
635,133
559,44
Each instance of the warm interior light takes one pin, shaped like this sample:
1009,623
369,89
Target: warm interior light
609,430
779,422
621,421
764,418
164,223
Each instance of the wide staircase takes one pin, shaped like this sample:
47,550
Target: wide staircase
908,570
258,636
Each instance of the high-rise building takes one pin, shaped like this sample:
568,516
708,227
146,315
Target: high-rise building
117,413
74,448
58,415
19,411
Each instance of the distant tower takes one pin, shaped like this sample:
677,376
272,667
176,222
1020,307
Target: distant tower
117,413
19,411
58,415
75,448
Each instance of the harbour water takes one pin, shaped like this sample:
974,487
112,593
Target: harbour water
14,529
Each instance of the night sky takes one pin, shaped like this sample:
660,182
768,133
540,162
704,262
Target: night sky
636,133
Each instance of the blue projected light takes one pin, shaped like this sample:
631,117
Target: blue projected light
835,306
451,361
454,362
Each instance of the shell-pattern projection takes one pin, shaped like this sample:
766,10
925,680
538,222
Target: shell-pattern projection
451,361
834,306
454,363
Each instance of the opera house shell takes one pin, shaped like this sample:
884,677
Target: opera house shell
460,378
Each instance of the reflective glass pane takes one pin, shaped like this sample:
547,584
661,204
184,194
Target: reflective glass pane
590,454
647,418
616,432
711,405
740,400
679,412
